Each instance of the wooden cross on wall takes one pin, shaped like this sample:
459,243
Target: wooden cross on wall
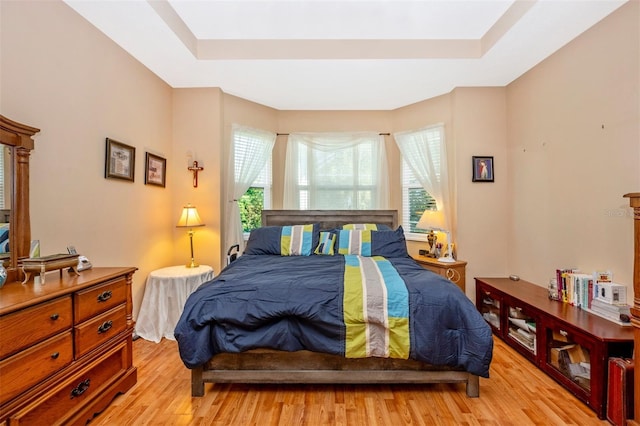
195,169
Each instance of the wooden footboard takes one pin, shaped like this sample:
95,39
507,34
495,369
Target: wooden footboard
267,366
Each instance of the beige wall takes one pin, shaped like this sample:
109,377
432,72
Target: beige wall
68,79
574,150
63,76
197,136
479,128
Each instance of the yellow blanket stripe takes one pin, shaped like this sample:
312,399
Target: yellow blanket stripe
375,309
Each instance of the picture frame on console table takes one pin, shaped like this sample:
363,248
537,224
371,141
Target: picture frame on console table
120,161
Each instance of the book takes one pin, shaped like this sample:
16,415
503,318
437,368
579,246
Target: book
610,312
603,276
612,293
608,307
561,278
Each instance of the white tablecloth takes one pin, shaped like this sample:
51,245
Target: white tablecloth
165,294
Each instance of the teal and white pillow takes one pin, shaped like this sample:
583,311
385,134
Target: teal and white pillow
354,242
326,243
296,240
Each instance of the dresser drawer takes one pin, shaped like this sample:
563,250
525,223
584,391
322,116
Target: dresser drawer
27,368
91,334
88,303
61,402
27,327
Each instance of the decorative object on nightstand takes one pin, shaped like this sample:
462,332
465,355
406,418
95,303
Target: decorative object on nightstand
190,219
432,238
434,220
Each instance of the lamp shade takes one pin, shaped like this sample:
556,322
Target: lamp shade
189,218
432,219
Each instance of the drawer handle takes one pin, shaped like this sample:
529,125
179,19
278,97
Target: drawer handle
453,275
104,296
106,326
54,317
81,388
55,355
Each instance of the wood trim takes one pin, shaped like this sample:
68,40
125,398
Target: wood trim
329,219
634,202
20,138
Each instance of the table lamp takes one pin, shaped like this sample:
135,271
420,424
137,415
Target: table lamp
434,220
190,219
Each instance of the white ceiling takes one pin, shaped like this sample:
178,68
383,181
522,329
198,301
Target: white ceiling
341,55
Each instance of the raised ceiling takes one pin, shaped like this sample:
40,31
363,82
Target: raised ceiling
341,55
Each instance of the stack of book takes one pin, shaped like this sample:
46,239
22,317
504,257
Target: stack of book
524,332
574,287
618,313
595,293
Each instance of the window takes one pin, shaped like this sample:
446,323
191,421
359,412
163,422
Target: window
335,171
415,200
249,190
424,176
258,196
256,199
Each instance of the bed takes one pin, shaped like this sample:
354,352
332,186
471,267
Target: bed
259,322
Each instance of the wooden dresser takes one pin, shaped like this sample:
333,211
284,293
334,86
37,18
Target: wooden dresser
65,346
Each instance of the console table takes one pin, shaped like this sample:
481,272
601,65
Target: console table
165,294
569,344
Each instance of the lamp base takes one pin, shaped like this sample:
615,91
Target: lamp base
446,259
192,264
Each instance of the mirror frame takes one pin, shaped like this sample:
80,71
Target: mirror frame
20,137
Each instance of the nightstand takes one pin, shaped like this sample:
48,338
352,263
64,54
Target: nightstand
454,271
165,294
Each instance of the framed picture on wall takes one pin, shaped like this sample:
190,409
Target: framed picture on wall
155,171
482,169
120,161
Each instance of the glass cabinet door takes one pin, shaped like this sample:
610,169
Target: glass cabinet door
570,357
489,306
522,330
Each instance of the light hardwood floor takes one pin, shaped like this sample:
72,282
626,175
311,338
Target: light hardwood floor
516,394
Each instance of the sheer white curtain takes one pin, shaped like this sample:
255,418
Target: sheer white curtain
336,171
425,153
250,150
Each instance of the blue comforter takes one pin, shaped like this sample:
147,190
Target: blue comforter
295,303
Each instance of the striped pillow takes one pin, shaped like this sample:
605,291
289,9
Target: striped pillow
296,240
326,243
354,242
361,226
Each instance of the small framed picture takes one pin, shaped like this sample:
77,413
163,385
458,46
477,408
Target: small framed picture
155,171
482,169
120,161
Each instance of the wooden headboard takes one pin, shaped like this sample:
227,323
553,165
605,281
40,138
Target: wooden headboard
329,219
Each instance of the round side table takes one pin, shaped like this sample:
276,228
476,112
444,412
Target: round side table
165,294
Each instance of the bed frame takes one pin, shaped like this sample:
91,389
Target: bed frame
272,366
